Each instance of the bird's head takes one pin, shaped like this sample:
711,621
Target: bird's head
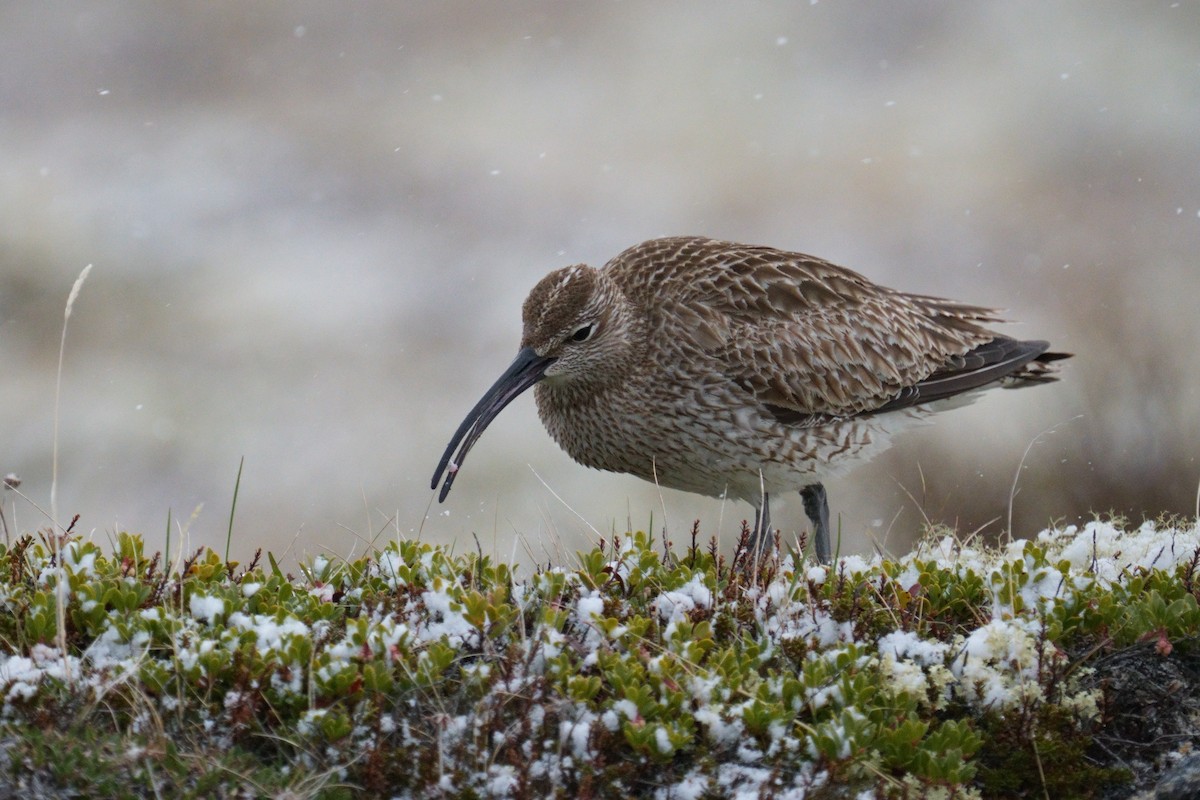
577,320
577,335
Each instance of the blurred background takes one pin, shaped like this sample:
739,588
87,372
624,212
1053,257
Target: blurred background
313,225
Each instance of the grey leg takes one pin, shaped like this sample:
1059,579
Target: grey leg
816,506
762,525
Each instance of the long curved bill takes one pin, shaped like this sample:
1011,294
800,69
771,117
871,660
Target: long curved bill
526,369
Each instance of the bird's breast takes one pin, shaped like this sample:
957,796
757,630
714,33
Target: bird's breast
692,438
706,436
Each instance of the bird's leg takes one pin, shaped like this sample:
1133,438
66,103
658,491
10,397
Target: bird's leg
762,526
816,506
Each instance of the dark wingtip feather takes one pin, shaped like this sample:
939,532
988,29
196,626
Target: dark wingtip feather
1004,361
1041,369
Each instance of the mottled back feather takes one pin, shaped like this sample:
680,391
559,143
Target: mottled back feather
808,338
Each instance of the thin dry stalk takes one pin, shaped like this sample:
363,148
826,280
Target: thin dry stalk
62,349
1012,494
568,506
60,599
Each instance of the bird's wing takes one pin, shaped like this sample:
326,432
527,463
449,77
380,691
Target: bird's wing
845,361
814,341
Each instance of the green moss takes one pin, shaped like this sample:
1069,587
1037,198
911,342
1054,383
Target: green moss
1045,748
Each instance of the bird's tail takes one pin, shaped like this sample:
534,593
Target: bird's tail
1043,369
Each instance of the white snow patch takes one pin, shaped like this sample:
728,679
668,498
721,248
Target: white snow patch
907,645
270,634
502,780
674,606
445,620
206,607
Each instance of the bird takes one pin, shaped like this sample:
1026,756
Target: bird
741,371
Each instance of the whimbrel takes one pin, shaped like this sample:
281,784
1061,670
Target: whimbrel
738,370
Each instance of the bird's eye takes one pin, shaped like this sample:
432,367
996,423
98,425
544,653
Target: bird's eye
583,333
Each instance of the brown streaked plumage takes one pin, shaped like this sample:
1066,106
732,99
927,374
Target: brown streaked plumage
722,368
